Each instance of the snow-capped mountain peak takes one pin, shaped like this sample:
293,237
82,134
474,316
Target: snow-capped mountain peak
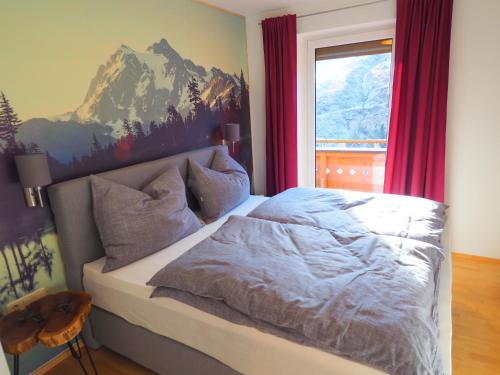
125,49
163,48
141,85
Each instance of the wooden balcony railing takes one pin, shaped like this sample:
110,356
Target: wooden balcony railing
341,166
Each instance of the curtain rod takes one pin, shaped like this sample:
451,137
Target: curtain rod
339,9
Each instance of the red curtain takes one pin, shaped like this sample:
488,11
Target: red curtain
280,55
417,132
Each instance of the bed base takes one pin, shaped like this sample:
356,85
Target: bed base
156,352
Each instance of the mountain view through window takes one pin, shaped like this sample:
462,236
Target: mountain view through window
352,97
352,114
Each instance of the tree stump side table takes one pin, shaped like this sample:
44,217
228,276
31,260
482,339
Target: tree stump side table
54,320
19,332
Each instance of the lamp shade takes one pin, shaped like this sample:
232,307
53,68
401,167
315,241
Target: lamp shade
232,132
33,170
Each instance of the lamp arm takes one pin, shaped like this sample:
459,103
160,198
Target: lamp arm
39,196
30,196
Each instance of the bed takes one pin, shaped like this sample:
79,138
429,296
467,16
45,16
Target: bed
166,335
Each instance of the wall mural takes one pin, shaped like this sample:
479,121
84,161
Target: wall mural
141,104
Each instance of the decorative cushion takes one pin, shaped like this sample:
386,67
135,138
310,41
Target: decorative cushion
133,224
219,188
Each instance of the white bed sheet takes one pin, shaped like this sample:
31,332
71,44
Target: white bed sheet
124,293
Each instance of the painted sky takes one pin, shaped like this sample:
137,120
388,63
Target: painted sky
51,49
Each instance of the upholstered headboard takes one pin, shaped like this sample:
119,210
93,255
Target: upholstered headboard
71,203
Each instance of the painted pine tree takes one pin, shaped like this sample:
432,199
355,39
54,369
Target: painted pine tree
195,98
22,251
9,123
127,128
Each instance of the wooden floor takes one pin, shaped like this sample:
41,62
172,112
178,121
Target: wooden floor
107,363
476,315
476,325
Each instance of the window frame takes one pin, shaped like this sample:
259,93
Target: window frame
307,131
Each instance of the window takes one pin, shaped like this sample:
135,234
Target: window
352,85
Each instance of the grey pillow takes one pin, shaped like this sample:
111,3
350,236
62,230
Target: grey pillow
220,188
133,224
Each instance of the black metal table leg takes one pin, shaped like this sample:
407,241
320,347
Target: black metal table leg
77,354
16,364
88,354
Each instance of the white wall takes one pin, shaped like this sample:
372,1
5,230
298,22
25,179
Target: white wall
3,363
473,132
473,143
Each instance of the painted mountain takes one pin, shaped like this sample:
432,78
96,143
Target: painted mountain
139,106
139,86
135,87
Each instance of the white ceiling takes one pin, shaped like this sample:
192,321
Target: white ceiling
252,7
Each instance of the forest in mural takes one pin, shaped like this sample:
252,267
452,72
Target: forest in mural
139,106
23,253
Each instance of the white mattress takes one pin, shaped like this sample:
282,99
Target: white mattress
123,292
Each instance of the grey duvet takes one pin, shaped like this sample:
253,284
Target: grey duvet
353,274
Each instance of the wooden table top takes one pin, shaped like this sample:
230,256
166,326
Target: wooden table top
53,320
65,315
19,330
